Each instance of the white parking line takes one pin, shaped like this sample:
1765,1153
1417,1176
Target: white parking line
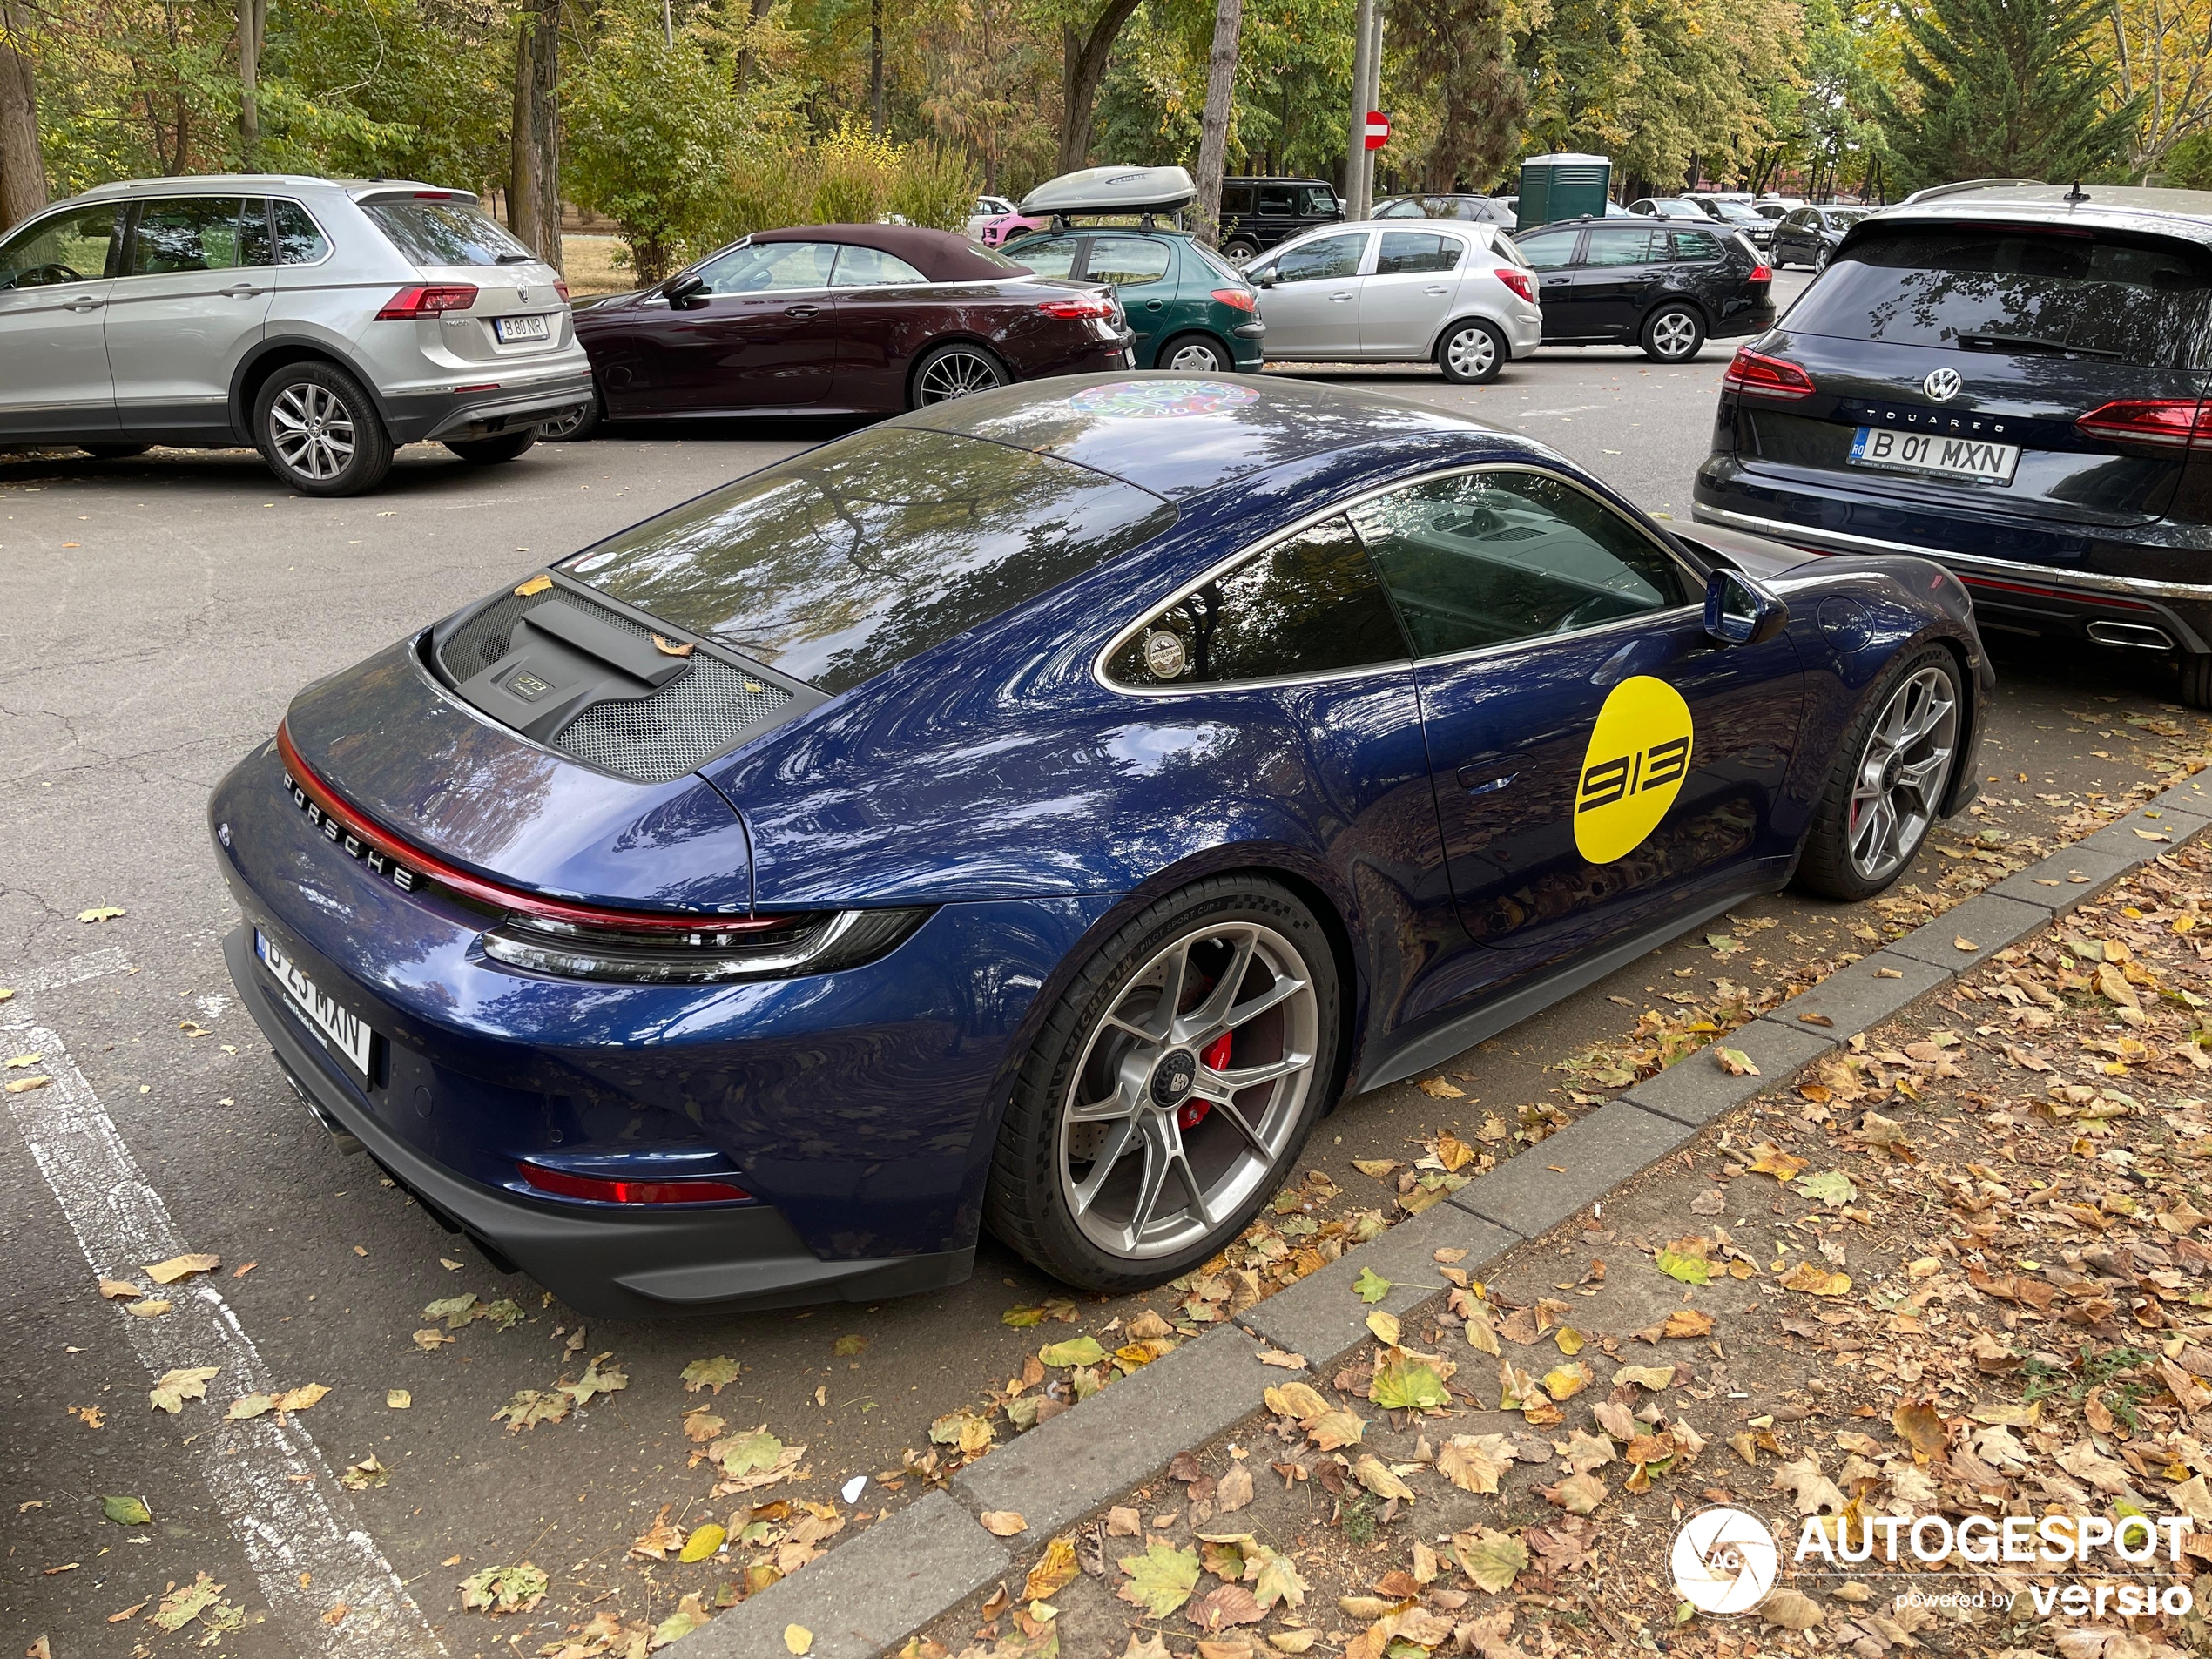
299,1530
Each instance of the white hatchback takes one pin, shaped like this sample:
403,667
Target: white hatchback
1458,294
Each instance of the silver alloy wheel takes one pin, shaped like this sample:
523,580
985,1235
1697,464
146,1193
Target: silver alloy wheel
1820,261
956,374
1673,334
1471,352
311,430
1197,358
1901,774
561,425
1163,1132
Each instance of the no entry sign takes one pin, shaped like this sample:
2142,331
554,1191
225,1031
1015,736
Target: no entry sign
1378,129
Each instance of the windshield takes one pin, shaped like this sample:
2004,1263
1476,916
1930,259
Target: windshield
839,564
1844,218
1974,286
445,232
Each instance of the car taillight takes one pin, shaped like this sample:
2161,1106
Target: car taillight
560,288
1762,272
2169,422
1763,376
409,303
612,1190
1242,299
1078,305
1516,278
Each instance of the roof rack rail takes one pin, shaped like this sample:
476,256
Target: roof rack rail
1936,191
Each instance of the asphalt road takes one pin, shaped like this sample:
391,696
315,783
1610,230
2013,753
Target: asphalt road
162,612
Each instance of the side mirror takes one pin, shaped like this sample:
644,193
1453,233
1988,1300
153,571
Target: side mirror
1738,611
684,285
1262,278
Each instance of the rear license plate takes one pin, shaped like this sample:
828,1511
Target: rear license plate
1934,455
341,1032
514,329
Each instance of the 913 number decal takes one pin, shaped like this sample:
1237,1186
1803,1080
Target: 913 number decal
1633,768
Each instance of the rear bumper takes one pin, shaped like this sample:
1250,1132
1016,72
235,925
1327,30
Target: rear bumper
608,1265
435,416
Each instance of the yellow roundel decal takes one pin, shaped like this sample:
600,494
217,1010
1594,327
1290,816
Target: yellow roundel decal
1633,769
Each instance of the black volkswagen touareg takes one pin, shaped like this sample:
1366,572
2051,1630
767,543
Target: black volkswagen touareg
2009,379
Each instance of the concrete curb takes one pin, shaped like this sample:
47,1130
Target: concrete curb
889,1582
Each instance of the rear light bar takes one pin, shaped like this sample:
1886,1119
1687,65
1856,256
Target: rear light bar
1078,305
427,302
341,824
1762,272
560,288
610,1190
1241,298
1759,375
2169,422
1516,278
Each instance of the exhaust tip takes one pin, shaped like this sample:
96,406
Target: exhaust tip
2138,635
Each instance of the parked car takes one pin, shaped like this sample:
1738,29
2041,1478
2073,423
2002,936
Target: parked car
1668,207
996,231
2008,379
1458,294
1739,215
836,320
1060,798
1260,213
1810,234
1774,206
1475,210
1187,308
323,323
987,208
1667,288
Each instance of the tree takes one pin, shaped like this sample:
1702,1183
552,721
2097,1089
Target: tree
1086,53
2008,89
1460,50
993,86
2161,52
534,178
253,26
23,161
1213,140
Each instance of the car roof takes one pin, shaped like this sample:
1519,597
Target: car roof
201,184
942,256
2176,212
1181,435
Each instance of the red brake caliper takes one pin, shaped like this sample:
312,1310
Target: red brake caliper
1215,1057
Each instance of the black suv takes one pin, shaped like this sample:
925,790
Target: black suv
2008,379
1660,283
1257,213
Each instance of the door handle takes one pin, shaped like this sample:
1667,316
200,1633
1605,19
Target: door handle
82,302
239,291
1344,295
1436,287
1153,305
1473,781
801,311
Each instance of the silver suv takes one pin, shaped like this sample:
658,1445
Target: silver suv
324,322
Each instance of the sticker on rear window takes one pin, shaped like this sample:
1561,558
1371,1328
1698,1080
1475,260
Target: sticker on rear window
1638,755
1161,399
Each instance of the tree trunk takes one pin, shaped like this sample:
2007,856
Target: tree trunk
534,152
1355,159
1085,67
23,164
876,121
253,26
1213,132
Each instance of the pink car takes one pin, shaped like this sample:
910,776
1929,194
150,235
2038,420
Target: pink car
997,230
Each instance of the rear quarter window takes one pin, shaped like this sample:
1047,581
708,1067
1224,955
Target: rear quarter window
2142,301
845,561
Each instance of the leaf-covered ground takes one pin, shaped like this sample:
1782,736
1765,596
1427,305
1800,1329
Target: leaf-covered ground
1962,1269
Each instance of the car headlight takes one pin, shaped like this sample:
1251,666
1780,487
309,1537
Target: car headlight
818,942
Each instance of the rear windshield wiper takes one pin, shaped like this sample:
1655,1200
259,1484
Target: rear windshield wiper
2030,342
512,258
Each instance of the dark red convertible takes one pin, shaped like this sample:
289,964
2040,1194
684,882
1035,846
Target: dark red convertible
837,320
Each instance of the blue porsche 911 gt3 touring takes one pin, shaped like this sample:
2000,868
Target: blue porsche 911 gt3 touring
1035,812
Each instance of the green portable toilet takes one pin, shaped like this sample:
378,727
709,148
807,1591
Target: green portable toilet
1554,187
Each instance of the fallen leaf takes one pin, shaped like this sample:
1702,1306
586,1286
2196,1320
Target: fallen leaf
1578,1494
1791,1609
1378,1167
148,1307
24,1085
1385,1327
180,1607
689,1615
126,1512
1491,1558
595,1380
660,1540
1371,1286
703,1542
504,1589
1161,1580
1921,1427
1234,1492
364,1474
180,1267
1003,1523
531,1406
1814,1280
1381,1479
100,913
1960,941
1055,1569
673,648
1767,1158
714,1374
1652,1376
174,1387
119,1290
397,1399
1438,1089
538,584
1829,1186
1474,1462
1077,1351
1734,1061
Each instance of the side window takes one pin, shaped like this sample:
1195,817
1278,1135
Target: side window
1486,558
1408,253
1238,199
1276,201
61,247
1623,245
185,233
1320,201
871,267
771,268
1309,605
1700,246
1055,258
253,234
1409,208
300,240
1324,259
1128,261
1548,252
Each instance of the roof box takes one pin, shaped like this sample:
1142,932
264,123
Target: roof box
1111,190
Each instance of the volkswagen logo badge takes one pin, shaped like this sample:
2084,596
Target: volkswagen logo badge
1942,384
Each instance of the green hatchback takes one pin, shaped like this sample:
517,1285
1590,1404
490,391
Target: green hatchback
1188,307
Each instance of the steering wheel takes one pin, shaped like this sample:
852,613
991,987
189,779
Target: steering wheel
1590,611
40,276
